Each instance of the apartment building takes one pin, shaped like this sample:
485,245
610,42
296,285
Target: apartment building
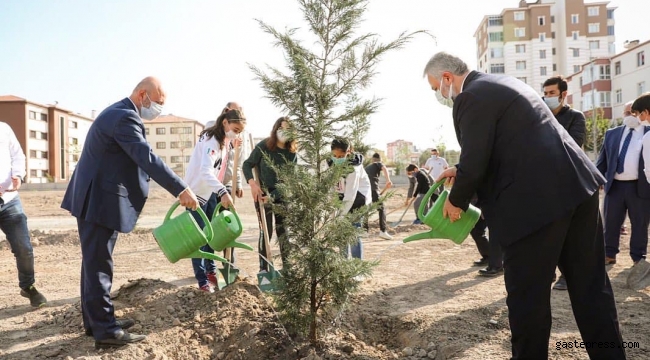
402,150
544,38
173,139
51,137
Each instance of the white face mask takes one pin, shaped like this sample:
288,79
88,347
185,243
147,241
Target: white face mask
231,135
631,121
151,112
282,137
441,99
552,102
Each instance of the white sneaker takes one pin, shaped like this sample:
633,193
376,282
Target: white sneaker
384,235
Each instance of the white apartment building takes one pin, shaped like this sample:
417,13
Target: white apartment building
544,38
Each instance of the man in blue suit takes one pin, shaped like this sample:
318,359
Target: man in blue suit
627,190
106,194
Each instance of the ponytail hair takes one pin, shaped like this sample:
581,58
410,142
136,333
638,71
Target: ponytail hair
217,130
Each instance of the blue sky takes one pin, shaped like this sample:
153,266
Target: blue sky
89,54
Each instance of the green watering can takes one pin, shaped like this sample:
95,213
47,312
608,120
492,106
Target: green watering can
442,228
226,228
181,237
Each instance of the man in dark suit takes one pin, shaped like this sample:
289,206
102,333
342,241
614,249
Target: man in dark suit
627,189
539,195
106,194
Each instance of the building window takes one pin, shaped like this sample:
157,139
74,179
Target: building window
160,131
146,131
610,13
522,79
520,49
187,144
605,72
495,21
74,125
542,37
176,159
161,145
180,130
592,11
611,48
617,68
32,115
575,18
520,32
44,117
32,154
75,157
497,69
619,96
74,141
496,36
43,136
605,99
520,16
554,67
32,134
594,44
520,65
496,52
542,70
576,68
542,54
575,35
640,58
541,20
552,34
552,19
43,155
576,52
640,88
174,145
610,30
594,28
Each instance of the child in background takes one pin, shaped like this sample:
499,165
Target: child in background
205,175
354,190
422,186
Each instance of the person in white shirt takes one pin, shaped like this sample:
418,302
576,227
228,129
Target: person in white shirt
354,190
205,175
13,220
435,165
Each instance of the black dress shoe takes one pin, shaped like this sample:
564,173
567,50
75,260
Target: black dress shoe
560,284
490,271
122,323
121,338
481,262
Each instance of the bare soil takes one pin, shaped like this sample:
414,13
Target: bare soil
424,300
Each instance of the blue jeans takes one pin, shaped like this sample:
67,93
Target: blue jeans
13,223
201,266
356,250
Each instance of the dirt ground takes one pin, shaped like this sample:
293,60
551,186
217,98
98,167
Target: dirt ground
424,301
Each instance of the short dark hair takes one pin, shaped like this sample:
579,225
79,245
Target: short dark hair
641,103
341,144
436,150
376,156
557,80
411,167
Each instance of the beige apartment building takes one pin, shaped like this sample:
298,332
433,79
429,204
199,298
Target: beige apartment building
173,139
51,137
544,38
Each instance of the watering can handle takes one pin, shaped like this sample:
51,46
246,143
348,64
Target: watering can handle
232,210
426,198
201,214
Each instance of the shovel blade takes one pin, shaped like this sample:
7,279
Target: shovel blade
639,277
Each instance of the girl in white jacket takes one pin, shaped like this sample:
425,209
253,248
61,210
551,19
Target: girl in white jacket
205,175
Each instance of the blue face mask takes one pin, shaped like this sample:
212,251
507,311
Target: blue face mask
339,161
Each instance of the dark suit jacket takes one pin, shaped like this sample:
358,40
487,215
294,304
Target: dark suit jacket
608,160
574,122
110,184
524,166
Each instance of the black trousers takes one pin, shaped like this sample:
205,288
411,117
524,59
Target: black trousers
380,211
489,249
280,232
572,243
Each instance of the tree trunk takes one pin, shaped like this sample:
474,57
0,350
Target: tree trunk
313,312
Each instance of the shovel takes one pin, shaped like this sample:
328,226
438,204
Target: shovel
228,272
639,277
408,206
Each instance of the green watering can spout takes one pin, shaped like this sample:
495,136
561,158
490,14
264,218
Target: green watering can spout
442,228
206,255
227,228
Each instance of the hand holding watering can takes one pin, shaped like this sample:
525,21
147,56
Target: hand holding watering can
449,211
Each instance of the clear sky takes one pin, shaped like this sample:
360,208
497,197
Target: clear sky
89,54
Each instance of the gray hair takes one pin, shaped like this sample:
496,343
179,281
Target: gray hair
442,62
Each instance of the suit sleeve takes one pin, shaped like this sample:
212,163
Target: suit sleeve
601,162
578,128
128,134
475,128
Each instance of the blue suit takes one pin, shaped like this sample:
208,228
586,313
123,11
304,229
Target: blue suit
621,197
106,194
